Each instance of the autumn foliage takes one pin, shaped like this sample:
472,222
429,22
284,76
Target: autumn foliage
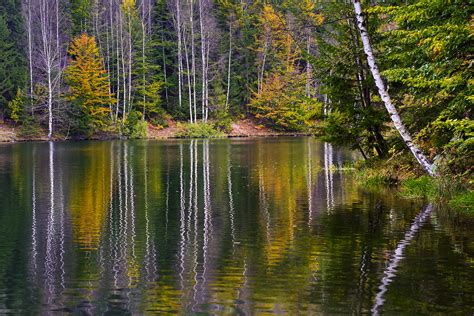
88,81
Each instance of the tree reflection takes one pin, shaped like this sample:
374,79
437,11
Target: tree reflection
202,226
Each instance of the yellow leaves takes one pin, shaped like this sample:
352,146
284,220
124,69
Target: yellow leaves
318,19
128,6
88,80
276,41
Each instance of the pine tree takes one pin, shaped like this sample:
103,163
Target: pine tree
88,81
8,66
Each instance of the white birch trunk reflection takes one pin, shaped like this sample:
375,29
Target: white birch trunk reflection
34,224
391,269
329,176
49,260
231,198
309,180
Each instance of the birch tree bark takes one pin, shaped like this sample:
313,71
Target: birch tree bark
180,57
193,56
420,157
191,116
228,67
30,52
309,69
49,50
203,60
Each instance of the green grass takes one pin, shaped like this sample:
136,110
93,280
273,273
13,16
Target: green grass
422,187
463,201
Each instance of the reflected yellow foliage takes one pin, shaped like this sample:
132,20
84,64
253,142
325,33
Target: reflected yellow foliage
90,198
281,184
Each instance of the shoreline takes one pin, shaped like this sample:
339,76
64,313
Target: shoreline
240,129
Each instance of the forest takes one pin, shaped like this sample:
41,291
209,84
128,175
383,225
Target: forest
79,68
236,157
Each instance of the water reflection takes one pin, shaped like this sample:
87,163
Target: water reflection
389,272
199,226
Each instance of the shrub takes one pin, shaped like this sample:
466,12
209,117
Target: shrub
135,126
222,121
198,130
30,128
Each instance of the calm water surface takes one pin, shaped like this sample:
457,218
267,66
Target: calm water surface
244,226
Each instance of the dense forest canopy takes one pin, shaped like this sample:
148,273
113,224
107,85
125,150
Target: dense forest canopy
78,67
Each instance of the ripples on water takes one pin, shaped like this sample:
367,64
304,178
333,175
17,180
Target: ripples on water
227,226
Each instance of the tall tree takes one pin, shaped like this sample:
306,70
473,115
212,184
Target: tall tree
8,66
88,82
420,157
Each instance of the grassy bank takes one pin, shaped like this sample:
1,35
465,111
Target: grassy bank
401,172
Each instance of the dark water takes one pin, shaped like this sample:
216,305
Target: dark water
222,227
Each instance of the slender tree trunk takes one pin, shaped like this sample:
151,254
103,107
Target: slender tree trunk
206,99
309,69
262,71
228,68
118,72
203,60
420,157
30,53
124,71
193,57
191,117
180,57
107,61
143,60
50,104
165,76
129,96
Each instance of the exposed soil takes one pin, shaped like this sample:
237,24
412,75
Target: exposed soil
163,132
247,127
7,134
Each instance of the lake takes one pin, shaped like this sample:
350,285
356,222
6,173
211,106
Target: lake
232,226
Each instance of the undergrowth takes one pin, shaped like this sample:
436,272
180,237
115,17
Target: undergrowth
453,190
198,130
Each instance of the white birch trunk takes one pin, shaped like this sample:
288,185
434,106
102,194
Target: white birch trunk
124,72
143,60
50,104
30,53
203,61
228,68
262,71
191,117
207,81
180,57
129,59
165,75
193,57
117,74
420,157
309,70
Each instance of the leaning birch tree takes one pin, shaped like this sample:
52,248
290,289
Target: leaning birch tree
395,117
